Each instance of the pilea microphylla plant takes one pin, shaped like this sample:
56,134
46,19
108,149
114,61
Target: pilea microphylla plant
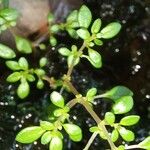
79,25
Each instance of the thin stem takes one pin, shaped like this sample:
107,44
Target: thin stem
99,96
71,103
90,141
132,147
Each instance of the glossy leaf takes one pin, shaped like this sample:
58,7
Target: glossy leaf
14,77
6,52
13,65
110,30
110,118
46,125
29,135
145,144
43,61
56,144
84,16
130,120
23,45
123,105
23,63
96,26
57,99
46,137
127,135
114,135
83,33
64,51
74,131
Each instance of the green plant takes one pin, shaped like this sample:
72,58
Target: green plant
78,25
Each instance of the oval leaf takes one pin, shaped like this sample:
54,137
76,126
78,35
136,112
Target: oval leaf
46,137
123,105
83,34
64,51
56,144
46,125
114,135
14,77
145,144
13,65
23,63
29,135
96,26
110,118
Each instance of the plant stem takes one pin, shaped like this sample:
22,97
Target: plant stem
132,147
90,141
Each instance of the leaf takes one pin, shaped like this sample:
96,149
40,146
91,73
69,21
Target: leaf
46,125
30,77
96,26
118,92
98,42
73,16
95,58
55,28
145,144
43,61
23,63
14,77
23,45
13,65
53,41
6,52
57,99
29,135
56,144
74,131
83,33
72,33
94,129
127,135
110,118
64,51
129,120
46,137
91,93
110,30
70,60
23,90
114,135
84,16
40,84
123,105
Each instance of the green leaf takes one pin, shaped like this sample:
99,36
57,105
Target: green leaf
57,99
123,105
39,72
74,131
96,26
46,138
83,33
95,58
53,41
13,65
6,52
130,120
56,144
91,93
114,135
127,135
84,16
30,77
58,112
145,144
23,63
110,118
94,129
118,92
98,42
73,16
121,147
23,45
70,60
55,28
72,33
29,135
40,84
46,125
14,77
64,51
110,30
50,18
43,61
23,89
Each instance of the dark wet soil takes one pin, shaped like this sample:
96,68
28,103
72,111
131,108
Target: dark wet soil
126,61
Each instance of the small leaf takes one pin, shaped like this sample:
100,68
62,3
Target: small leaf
94,129
123,105
64,51
53,41
84,16
50,18
13,65
46,125
118,92
91,93
43,62
58,112
29,135
14,77
6,52
40,84
73,16
145,144
23,90
129,120
98,42
55,28
110,30
127,135
110,118
74,131
46,137
72,33
57,99
70,60
121,147
39,72
56,144
96,26
83,33
23,45
95,58
114,135
23,63
30,78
